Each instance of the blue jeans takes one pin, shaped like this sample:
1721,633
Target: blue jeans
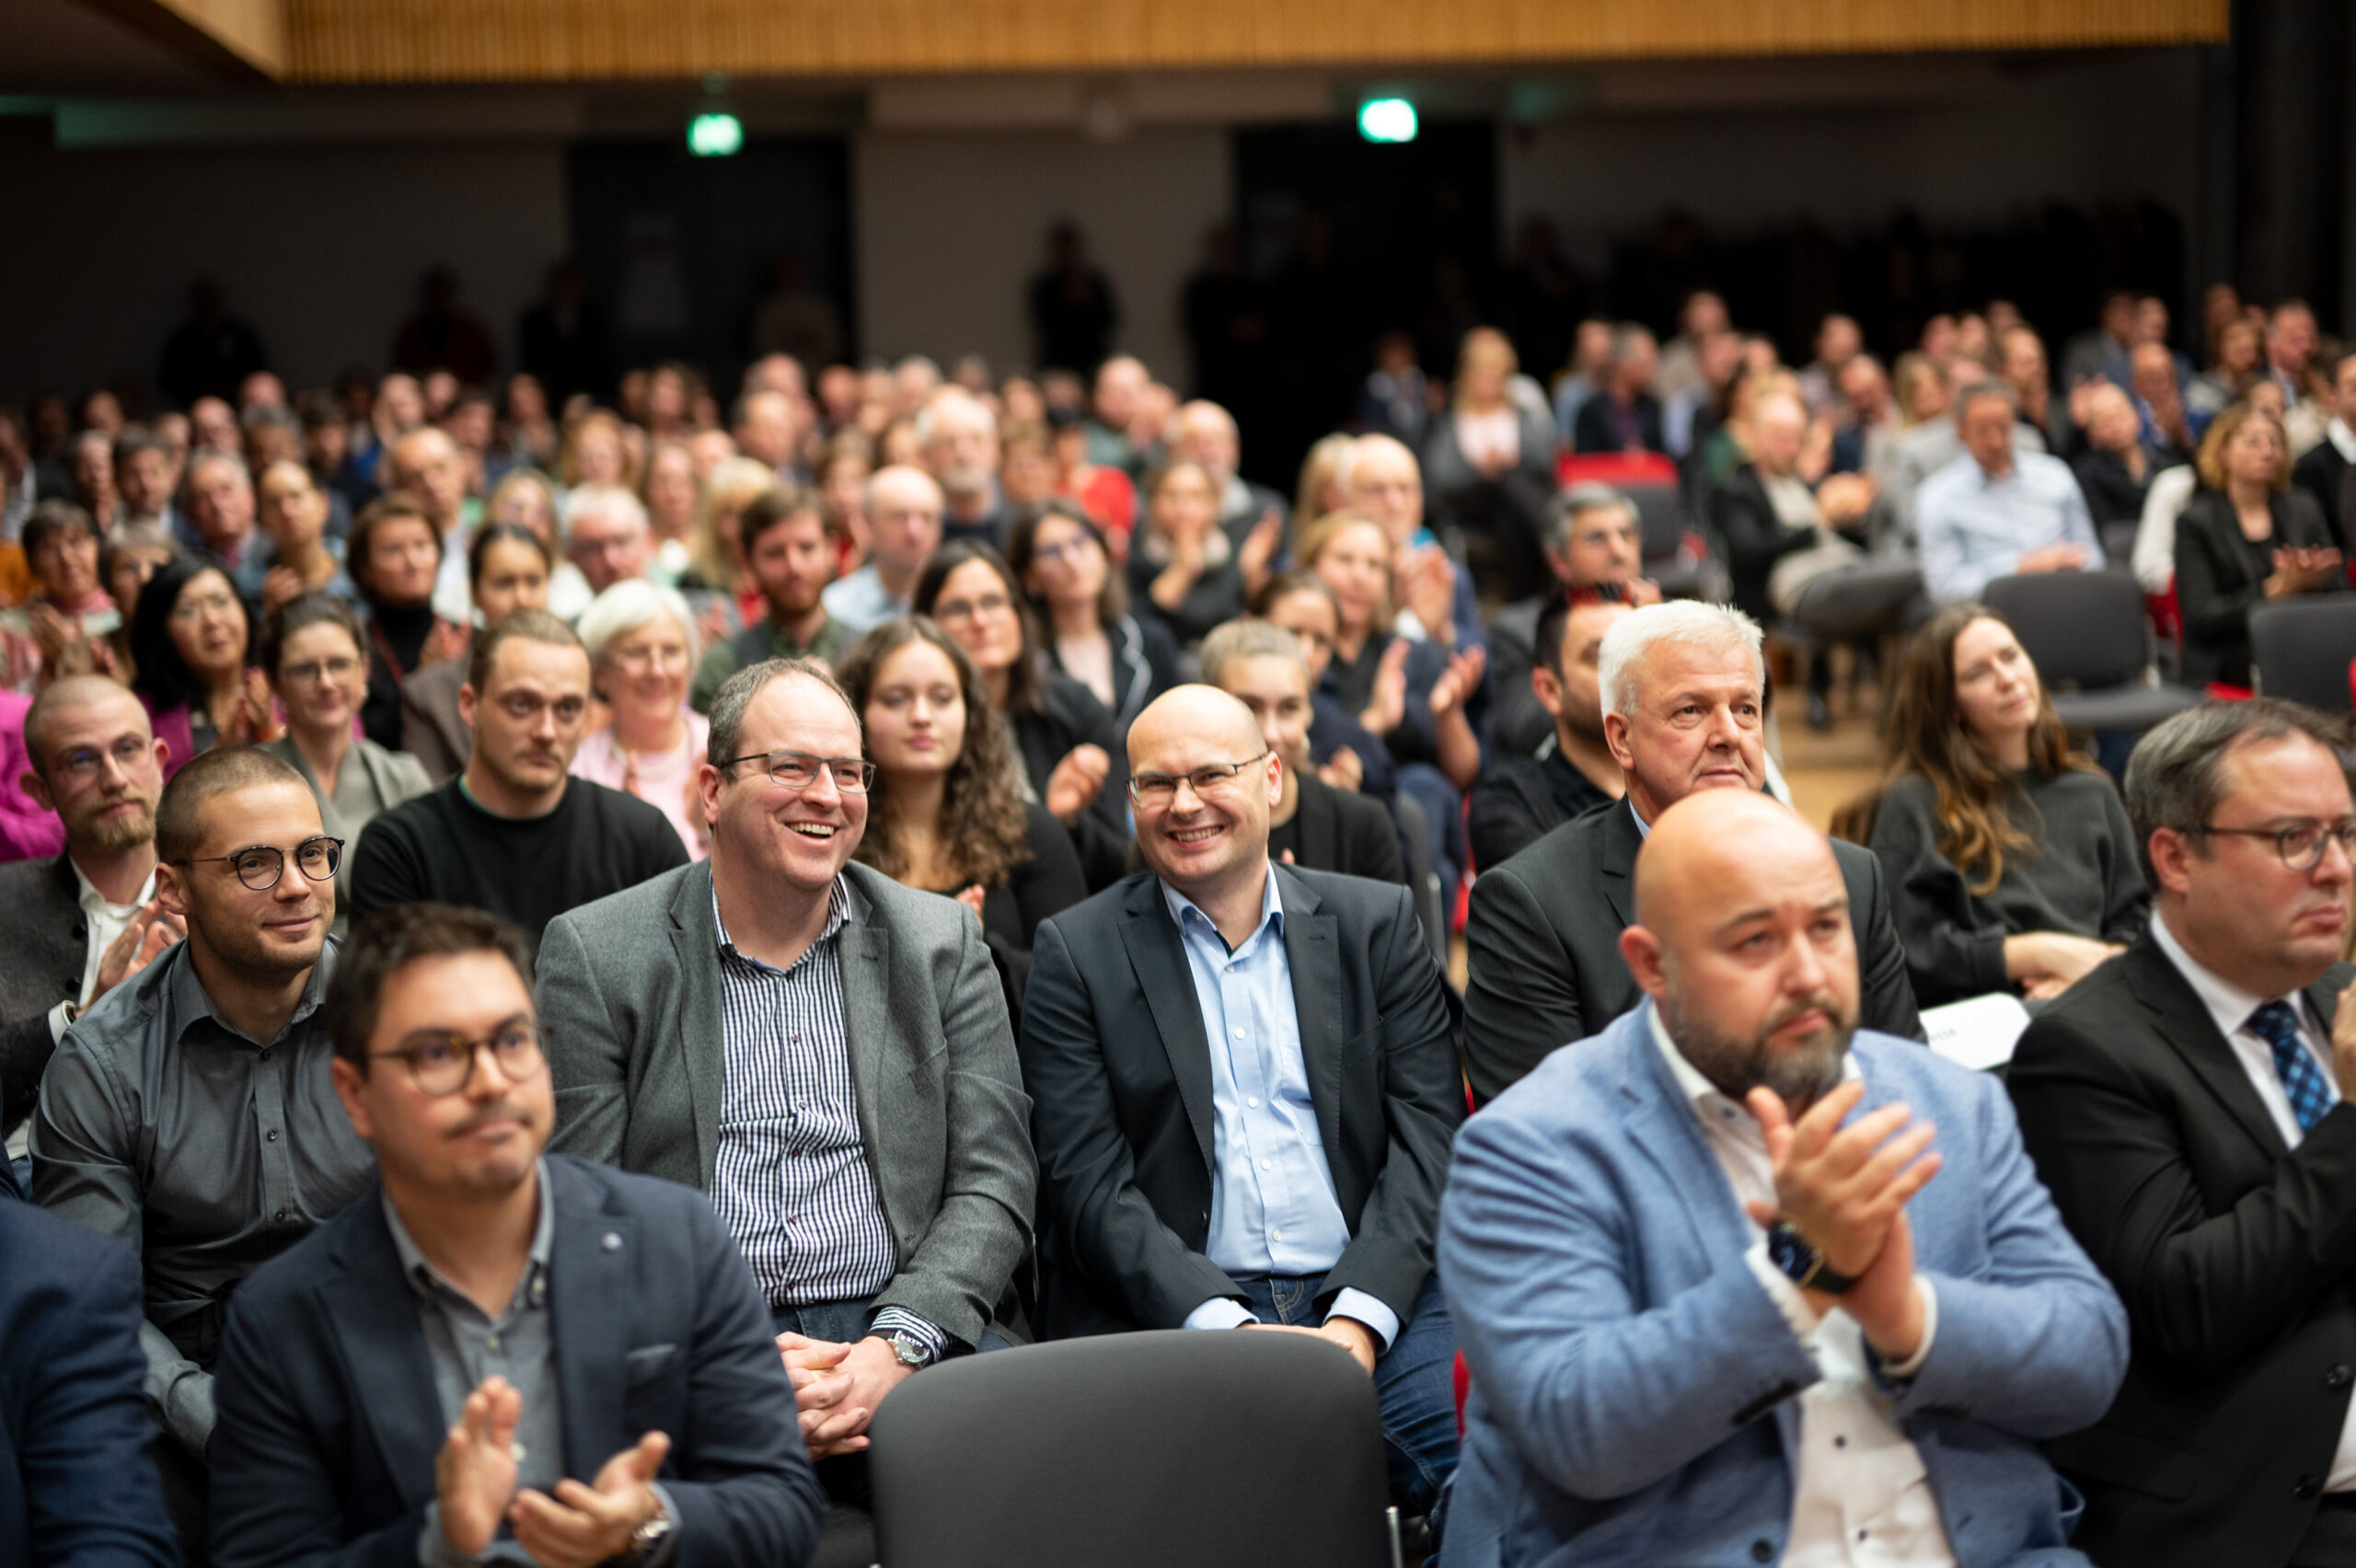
845,1475
1414,1383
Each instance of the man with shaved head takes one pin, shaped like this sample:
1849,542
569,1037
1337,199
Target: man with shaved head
1242,1088
1734,1203
1683,687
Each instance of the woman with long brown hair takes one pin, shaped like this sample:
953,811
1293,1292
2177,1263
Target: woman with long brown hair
2011,864
946,812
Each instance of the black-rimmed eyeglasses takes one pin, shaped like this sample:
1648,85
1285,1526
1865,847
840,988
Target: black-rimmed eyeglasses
800,770
260,866
445,1064
2301,845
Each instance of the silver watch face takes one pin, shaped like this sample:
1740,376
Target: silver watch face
910,1352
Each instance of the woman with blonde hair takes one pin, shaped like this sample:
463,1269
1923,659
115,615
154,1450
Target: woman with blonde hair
2247,537
1319,489
1488,465
715,551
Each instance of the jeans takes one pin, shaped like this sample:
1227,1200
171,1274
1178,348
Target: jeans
845,1475
1414,1383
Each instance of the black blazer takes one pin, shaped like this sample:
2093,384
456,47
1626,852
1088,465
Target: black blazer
1545,947
1592,431
45,936
1755,538
1119,1072
1347,833
2232,1253
2220,577
1145,664
2323,473
1047,883
330,1423
1069,716
1520,801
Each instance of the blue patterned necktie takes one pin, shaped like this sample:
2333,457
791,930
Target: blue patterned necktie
2302,1079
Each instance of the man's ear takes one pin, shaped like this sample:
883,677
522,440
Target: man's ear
171,888
1648,960
37,789
467,704
1615,735
350,1085
1545,687
2170,851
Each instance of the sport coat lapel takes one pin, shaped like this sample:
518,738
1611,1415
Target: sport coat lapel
1618,862
696,1028
1155,957
590,1259
863,963
2182,1019
1313,954
372,1311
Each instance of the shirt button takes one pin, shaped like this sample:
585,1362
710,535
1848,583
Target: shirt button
1276,1235
280,1214
490,1341
1840,1442
1239,1035
1267,1165
265,1055
1763,1552
1252,1100
272,1135
2335,1378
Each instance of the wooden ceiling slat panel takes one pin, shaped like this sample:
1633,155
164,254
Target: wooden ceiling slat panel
452,40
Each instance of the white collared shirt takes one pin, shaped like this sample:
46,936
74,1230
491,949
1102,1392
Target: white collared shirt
101,923
1861,1496
2340,436
2229,1007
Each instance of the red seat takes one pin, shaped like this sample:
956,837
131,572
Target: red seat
1463,1387
1621,468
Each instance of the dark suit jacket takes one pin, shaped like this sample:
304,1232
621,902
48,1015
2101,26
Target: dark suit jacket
1592,431
1755,538
1545,947
2232,1253
1346,832
2220,577
2322,473
45,936
1119,1071
76,1482
1071,716
330,1421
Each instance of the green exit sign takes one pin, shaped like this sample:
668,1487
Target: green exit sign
715,135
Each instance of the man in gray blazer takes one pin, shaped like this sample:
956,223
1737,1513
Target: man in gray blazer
823,1052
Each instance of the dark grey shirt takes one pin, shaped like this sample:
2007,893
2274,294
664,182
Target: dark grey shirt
203,1150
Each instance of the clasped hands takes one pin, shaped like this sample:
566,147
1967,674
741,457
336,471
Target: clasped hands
1347,1333
1845,1190
837,1388
474,1480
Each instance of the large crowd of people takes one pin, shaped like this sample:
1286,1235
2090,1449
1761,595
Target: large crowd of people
559,952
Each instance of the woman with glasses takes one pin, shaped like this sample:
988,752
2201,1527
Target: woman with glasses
1066,567
946,812
190,642
2011,864
315,655
642,652
1066,746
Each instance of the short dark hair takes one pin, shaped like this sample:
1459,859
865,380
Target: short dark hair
1026,680
160,674
782,502
134,439
318,608
478,547
385,509
528,624
51,518
2176,776
383,943
179,817
734,698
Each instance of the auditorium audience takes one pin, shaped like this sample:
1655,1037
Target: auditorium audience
459,1398
219,495
641,644
1202,431
821,1051
1311,822
1594,541
396,556
1521,798
1669,1232
513,832
1999,509
315,656
607,536
2247,538
1623,415
1348,755
1063,739
2186,1102
1288,1175
1379,478
946,812
1489,463
1064,560
2010,864
959,440
1682,685
187,1115
508,568
2323,472
304,558
188,651
1183,570
904,523
2114,469
781,538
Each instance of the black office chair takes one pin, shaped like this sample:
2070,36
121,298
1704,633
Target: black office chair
1660,513
1147,1450
846,1540
2091,640
2300,649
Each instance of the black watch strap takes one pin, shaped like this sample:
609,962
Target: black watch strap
1802,1263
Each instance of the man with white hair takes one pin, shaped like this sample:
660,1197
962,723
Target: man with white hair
607,536
1682,686
219,495
959,442
904,510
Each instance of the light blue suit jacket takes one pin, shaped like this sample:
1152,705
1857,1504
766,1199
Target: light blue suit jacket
1623,1355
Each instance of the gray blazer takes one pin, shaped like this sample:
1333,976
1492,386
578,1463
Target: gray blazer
630,995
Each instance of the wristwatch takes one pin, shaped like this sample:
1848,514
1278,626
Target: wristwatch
912,1351
649,1536
1803,1264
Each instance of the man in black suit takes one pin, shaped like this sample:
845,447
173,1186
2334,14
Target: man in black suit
495,1345
1682,685
2323,472
78,925
2186,1104
1314,824
1623,415
1242,1088
1520,800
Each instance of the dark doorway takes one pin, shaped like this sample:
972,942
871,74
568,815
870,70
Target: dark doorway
1344,239
683,251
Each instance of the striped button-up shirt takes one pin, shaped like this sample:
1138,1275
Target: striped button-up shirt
790,1179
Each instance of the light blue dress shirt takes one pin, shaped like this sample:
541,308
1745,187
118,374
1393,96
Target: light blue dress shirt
1273,1207
1973,529
861,601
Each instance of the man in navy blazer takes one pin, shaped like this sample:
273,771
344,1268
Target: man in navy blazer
76,1483
496,1349
1725,1298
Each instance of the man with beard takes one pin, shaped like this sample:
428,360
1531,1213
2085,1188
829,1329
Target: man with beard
1522,799
784,536
188,1115
960,442
1730,1205
513,832
497,1351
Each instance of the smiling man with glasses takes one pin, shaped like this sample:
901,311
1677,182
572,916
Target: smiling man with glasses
188,1113
1244,1084
823,1052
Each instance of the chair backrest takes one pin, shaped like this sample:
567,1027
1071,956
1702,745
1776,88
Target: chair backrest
2300,649
1147,1450
1621,469
2084,629
1662,516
